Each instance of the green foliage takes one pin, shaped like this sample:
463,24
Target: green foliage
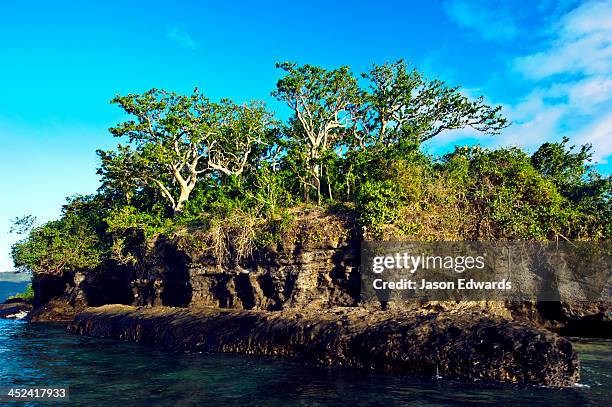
474,193
27,295
127,217
321,101
385,180
397,106
588,192
400,103
378,203
23,225
270,234
511,199
68,244
270,192
229,176
374,163
558,162
176,141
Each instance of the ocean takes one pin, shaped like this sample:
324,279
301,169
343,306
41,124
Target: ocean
13,283
104,372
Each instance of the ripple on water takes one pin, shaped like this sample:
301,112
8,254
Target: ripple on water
99,370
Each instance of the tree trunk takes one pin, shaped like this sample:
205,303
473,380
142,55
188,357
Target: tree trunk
184,197
317,179
316,173
329,187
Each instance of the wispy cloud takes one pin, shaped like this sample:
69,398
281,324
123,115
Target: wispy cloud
491,23
570,76
181,37
599,135
582,44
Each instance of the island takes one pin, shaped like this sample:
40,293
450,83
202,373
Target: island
219,228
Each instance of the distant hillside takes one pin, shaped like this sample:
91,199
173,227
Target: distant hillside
12,277
13,283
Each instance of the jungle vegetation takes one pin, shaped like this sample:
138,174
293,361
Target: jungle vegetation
353,143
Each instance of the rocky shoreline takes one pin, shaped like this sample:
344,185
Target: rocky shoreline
15,308
301,297
468,344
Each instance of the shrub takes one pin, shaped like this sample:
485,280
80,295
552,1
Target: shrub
68,244
27,295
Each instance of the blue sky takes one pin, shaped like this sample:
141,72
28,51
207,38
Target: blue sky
549,63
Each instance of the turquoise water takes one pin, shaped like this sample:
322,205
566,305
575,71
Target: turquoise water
107,372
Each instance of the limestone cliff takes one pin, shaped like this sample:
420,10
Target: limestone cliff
310,264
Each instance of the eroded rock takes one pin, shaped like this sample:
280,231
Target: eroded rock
467,344
15,308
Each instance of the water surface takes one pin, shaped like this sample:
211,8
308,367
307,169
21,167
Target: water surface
107,372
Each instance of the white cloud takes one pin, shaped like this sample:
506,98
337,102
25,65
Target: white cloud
181,37
600,136
582,45
581,97
588,94
534,123
569,76
590,17
491,23
572,79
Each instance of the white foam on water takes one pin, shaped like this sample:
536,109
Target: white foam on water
19,315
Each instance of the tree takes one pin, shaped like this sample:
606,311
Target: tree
589,192
402,103
67,244
23,225
562,164
174,141
320,100
398,104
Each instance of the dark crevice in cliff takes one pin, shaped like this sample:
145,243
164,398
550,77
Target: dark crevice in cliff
48,286
588,327
113,286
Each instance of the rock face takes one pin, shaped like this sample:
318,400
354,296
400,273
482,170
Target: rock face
300,296
14,308
469,344
313,265
56,310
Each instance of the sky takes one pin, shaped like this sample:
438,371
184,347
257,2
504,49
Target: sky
548,63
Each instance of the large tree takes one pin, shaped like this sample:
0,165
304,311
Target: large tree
174,141
400,102
320,100
397,103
